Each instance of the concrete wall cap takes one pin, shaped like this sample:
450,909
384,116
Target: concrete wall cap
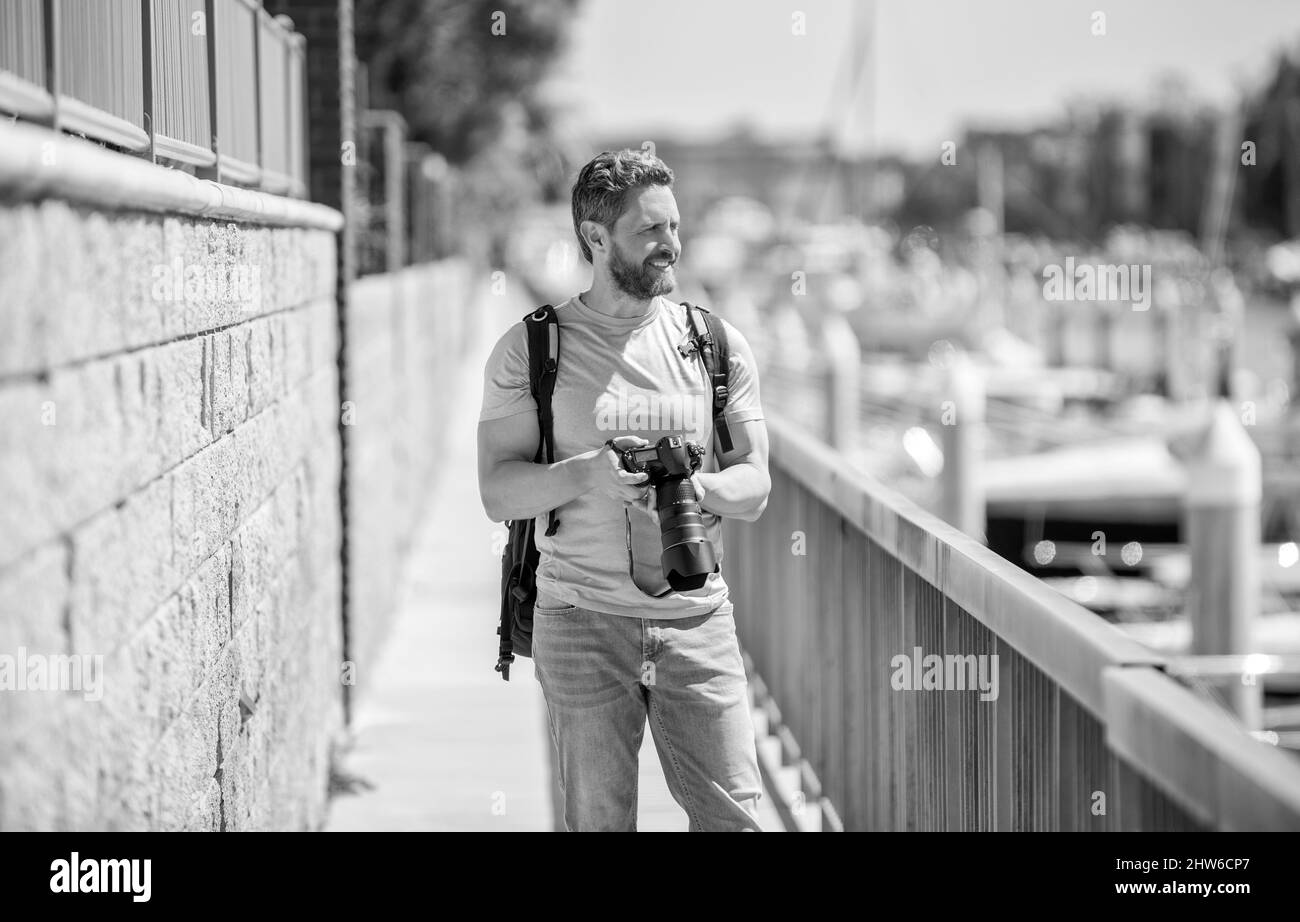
37,163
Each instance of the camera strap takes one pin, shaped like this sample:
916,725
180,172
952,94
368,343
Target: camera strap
627,519
543,365
712,348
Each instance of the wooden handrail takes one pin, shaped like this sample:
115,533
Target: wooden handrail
1085,711
1199,755
1061,637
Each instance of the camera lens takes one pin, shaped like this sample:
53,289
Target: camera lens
688,554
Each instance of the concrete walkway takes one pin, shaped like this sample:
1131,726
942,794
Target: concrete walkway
443,742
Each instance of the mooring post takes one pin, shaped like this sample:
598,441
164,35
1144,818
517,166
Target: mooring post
961,419
1221,522
843,365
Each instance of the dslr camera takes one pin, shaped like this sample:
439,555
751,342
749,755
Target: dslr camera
688,557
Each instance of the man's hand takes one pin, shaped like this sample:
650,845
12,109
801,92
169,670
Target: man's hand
605,473
649,504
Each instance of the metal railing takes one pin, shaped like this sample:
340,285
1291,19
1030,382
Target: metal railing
23,60
179,82
382,183
235,78
278,120
405,193
218,85
99,70
429,213
841,576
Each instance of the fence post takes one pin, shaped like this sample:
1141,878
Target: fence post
53,82
146,64
1106,323
1057,334
1222,526
214,119
843,362
961,418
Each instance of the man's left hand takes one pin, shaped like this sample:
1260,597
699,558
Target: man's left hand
648,500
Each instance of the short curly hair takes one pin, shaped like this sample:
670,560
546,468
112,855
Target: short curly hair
600,192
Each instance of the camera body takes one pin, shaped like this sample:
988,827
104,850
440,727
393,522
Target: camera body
671,456
688,556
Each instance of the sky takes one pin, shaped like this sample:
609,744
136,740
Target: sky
697,68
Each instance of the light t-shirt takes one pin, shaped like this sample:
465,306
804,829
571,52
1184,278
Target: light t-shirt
620,376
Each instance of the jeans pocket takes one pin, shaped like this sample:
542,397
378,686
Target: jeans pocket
726,608
549,605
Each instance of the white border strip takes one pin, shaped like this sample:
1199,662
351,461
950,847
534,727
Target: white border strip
37,163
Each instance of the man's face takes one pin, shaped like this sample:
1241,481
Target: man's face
644,245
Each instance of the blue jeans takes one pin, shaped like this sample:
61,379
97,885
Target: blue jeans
603,675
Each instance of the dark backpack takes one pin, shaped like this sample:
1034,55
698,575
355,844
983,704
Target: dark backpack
520,560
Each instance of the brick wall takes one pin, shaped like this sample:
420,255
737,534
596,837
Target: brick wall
169,500
406,333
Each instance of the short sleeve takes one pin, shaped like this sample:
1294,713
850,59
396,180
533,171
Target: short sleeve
742,380
505,378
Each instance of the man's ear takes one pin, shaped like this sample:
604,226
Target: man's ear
595,234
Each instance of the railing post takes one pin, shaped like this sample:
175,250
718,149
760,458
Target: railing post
1293,338
1222,528
303,166
214,120
258,79
1057,333
1162,321
53,83
1106,322
146,64
961,418
842,357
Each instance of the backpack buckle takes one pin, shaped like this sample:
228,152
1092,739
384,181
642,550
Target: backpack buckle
720,395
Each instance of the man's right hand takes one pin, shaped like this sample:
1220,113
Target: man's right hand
605,474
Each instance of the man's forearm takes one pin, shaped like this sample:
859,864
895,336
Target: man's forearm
523,489
739,492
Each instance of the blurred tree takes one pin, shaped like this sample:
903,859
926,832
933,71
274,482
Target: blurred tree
467,75
452,67
1270,195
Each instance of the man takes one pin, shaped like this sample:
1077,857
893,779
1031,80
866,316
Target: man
612,644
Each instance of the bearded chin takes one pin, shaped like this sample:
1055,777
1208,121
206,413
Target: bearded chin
636,279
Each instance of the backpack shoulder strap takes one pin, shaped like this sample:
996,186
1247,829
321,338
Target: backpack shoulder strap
543,363
710,335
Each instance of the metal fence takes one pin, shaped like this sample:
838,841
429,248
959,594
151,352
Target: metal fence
841,577
22,59
215,85
179,74
405,193
382,183
430,225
